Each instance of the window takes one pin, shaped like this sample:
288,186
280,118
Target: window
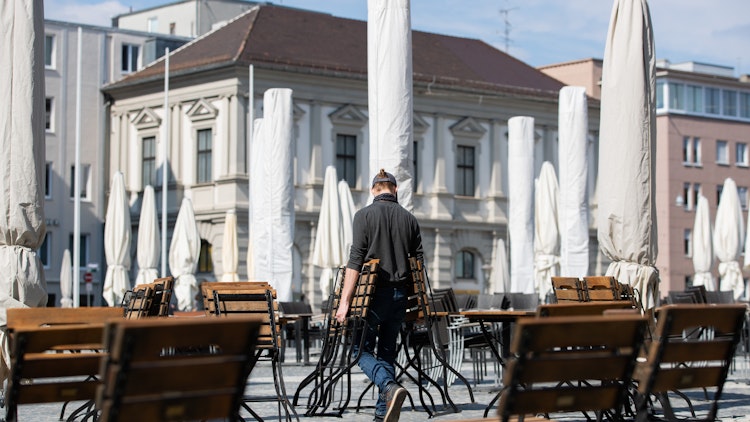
465,171
49,51
129,58
713,101
205,144
745,105
696,194
415,176
719,190
741,153
694,98
676,96
697,151
659,94
171,28
48,114
149,161
85,181
722,153
346,158
153,24
691,151
205,262
84,258
742,193
728,102
48,180
44,250
687,243
687,189
465,265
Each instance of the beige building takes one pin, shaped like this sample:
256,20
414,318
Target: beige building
703,133
464,93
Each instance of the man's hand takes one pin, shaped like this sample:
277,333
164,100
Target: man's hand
342,311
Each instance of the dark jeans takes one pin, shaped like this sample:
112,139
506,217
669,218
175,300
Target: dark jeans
384,319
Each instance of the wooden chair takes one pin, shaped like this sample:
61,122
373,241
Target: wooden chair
582,308
601,288
176,369
564,364
55,355
137,302
568,289
207,289
693,347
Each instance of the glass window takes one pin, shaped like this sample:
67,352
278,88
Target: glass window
742,193
129,58
465,265
153,24
687,190
149,161
465,171
44,250
687,244
415,176
745,105
687,146
205,262
694,98
722,155
696,193
696,150
741,153
48,180
85,181
676,96
48,114
346,158
728,102
49,51
719,190
205,144
713,100
84,258
659,94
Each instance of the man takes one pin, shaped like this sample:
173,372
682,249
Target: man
383,230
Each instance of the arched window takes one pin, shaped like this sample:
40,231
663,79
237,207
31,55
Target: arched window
205,262
465,265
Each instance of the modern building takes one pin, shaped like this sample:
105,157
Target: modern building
107,54
464,93
703,133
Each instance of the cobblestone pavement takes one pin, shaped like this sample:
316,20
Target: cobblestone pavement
735,403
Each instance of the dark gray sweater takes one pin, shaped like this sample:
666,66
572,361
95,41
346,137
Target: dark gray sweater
385,230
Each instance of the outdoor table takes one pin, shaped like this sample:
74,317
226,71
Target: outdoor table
503,316
301,331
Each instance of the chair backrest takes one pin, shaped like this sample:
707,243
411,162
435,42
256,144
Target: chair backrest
418,301
568,289
699,292
38,317
137,302
207,288
720,297
680,297
524,301
601,287
259,302
176,369
582,308
162,291
364,289
563,364
678,359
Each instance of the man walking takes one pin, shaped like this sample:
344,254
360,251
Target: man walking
386,231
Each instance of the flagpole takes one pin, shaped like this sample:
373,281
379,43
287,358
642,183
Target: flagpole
77,183
165,174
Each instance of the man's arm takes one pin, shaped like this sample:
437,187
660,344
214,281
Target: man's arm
350,281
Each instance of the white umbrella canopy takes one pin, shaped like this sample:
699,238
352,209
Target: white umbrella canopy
500,278
229,248
729,232
328,251
573,211
390,93
255,149
520,203
546,232
66,281
627,150
148,243
703,252
117,242
184,251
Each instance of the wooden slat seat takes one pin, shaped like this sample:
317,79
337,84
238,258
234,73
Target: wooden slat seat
582,308
568,289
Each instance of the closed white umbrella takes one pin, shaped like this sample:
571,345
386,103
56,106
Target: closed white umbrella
229,248
573,211
729,232
520,203
703,252
500,278
66,281
117,242
390,93
328,251
256,148
272,191
627,150
148,239
184,251
546,232
347,216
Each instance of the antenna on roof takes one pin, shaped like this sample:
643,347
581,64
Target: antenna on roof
506,20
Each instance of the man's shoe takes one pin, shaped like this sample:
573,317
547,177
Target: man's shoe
394,398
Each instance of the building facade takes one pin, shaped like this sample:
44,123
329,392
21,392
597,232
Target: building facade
107,55
703,133
464,93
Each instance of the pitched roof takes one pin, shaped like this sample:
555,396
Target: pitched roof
299,40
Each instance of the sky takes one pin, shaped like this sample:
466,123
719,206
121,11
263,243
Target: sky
539,32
